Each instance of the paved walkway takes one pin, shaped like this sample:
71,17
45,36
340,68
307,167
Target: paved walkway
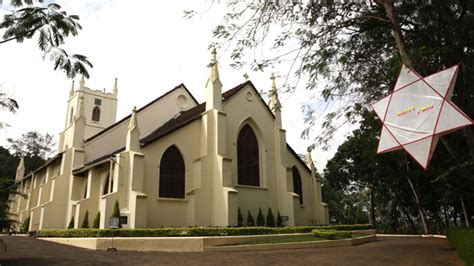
388,251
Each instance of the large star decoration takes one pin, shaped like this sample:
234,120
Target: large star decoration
418,112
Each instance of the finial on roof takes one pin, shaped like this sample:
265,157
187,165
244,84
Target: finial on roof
133,119
213,85
273,94
71,92
115,90
82,82
309,159
20,170
246,76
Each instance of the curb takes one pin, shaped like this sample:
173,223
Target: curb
412,236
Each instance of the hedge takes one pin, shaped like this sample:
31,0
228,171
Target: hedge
331,234
463,240
194,231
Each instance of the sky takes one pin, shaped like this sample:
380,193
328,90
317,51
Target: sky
150,48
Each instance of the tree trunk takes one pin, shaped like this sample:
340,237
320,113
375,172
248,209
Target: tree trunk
446,217
469,134
418,205
410,220
466,219
372,207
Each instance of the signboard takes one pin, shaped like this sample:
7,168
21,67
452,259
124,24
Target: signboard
417,112
284,218
114,222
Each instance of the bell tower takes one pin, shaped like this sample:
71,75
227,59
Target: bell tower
98,108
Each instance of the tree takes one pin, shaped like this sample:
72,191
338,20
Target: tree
71,223
7,104
270,218
240,219
52,26
34,147
250,220
25,226
116,212
96,221
279,220
260,218
85,222
7,188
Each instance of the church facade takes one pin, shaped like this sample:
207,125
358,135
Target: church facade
173,162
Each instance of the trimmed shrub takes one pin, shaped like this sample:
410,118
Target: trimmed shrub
191,231
250,220
463,240
331,234
96,223
25,226
270,218
71,223
240,219
260,218
116,212
85,222
279,221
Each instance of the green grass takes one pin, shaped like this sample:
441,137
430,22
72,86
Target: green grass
463,240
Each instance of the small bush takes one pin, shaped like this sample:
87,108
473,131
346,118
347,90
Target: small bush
25,226
270,218
331,234
96,221
240,219
116,212
71,223
279,221
260,218
463,240
85,222
250,220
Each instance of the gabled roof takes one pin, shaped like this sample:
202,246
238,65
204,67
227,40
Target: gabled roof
139,110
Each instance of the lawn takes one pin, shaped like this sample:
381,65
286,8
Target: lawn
463,240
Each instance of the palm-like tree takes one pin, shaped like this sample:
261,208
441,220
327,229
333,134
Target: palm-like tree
52,27
8,104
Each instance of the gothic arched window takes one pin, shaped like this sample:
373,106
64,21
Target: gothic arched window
247,158
297,188
172,174
105,190
96,114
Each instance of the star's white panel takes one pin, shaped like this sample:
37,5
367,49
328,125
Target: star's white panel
387,142
405,77
420,151
413,111
380,107
441,81
451,119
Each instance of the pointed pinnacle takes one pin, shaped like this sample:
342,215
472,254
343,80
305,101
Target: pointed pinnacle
71,92
133,119
82,82
115,90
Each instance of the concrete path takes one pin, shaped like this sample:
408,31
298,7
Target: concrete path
388,251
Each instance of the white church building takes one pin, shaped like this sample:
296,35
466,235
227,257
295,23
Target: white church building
173,162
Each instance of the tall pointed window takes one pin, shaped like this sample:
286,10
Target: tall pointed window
247,158
172,174
96,114
105,189
297,188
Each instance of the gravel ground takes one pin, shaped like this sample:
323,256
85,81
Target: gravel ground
388,251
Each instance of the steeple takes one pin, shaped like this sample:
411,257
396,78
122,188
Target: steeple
71,92
133,134
82,82
213,85
20,170
309,161
274,102
115,89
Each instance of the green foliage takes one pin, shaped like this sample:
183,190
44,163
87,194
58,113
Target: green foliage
270,218
279,220
250,220
96,221
331,234
7,187
240,219
116,212
71,223
85,222
52,26
260,218
25,226
194,231
463,240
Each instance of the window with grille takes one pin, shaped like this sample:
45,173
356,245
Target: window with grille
248,170
297,188
172,174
